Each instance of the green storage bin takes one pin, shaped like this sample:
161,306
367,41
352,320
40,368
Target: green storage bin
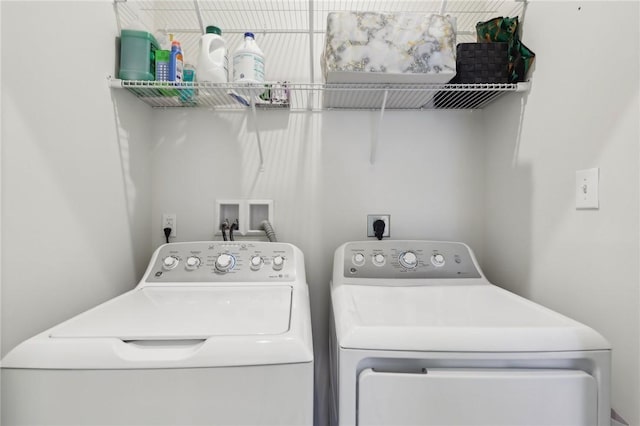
137,55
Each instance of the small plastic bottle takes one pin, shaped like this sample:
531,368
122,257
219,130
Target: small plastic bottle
175,62
213,60
248,62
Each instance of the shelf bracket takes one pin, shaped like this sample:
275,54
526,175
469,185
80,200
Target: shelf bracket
196,5
255,123
312,55
443,7
376,135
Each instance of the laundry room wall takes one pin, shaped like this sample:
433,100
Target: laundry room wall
582,112
75,176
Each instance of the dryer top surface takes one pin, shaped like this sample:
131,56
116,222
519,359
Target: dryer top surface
467,318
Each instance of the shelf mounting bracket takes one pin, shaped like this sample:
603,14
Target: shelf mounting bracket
255,122
376,135
196,5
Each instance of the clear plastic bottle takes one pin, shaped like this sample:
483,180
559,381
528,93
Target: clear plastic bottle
176,63
248,62
213,60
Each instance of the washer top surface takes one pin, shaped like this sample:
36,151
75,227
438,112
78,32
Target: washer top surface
436,299
185,313
199,304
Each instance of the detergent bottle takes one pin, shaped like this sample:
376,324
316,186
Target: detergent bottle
248,62
176,63
213,60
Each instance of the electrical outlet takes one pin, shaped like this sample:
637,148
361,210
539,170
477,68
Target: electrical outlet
386,218
169,221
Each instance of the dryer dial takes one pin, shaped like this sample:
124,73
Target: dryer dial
379,259
408,259
438,260
358,259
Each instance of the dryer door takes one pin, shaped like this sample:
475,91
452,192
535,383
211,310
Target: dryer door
477,396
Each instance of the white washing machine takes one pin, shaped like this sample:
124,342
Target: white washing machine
214,333
420,337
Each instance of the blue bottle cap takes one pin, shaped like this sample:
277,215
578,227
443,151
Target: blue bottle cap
249,35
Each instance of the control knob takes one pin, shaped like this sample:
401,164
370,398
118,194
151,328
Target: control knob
170,262
225,263
437,260
378,259
358,259
192,262
256,262
278,262
408,259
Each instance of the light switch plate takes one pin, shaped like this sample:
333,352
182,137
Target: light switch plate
587,183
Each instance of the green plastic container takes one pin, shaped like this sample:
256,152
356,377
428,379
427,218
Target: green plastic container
137,55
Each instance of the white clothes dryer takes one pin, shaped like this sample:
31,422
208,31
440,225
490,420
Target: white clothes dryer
420,337
214,333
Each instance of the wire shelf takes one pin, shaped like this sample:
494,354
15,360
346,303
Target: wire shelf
317,96
291,34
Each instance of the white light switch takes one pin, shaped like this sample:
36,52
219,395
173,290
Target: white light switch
587,189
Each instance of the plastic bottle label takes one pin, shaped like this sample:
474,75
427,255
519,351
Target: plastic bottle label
179,70
247,66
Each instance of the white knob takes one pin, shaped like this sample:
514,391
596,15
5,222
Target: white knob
378,259
256,262
169,262
409,259
437,260
358,259
278,262
225,262
193,262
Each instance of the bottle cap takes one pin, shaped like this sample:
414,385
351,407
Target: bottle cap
212,29
249,35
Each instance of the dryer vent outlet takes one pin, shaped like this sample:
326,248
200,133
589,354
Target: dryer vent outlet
371,219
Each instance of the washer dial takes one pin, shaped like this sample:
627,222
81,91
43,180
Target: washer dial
193,262
225,263
278,262
170,262
358,259
256,262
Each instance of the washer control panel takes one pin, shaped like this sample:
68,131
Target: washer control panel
223,262
408,259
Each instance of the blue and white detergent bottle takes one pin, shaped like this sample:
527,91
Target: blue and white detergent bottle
248,62
176,63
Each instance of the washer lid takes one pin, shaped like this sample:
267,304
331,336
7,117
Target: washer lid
456,318
156,313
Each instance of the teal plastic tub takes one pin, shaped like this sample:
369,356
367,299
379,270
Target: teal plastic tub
137,55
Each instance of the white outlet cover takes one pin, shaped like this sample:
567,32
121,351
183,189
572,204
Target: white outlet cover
587,188
170,220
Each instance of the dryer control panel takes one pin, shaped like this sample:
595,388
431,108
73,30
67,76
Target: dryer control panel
227,261
408,259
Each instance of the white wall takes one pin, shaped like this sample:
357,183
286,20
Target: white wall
75,178
582,112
